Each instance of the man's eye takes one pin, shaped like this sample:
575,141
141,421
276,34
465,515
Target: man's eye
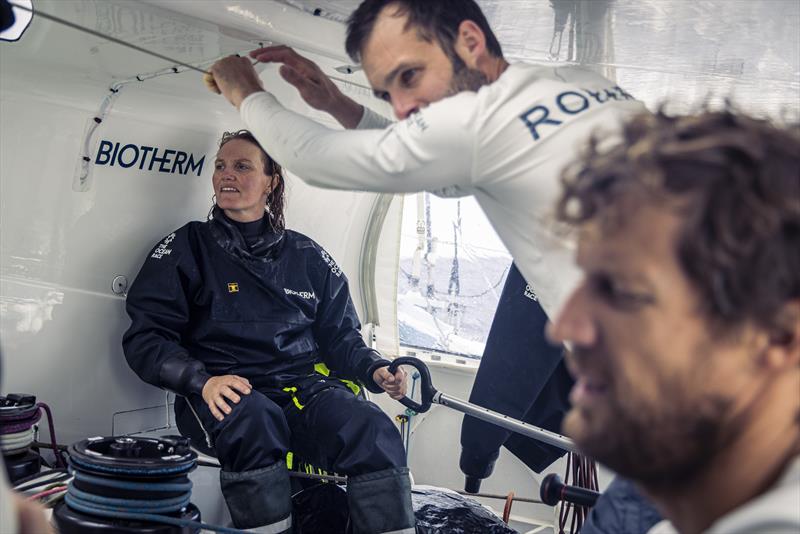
384,96
407,77
615,295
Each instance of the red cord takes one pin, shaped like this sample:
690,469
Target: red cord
46,493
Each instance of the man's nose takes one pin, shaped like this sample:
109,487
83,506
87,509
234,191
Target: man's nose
404,106
573,324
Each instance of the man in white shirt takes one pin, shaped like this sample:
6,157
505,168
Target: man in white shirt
685,330
469,123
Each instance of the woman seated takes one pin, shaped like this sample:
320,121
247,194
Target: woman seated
235,315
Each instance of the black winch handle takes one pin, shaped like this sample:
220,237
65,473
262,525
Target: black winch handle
427,391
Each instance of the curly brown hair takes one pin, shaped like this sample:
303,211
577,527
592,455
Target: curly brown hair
277,197
737,181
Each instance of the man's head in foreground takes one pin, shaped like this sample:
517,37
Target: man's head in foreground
415,52
685,330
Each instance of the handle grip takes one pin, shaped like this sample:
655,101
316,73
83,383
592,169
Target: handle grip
427,391
553,490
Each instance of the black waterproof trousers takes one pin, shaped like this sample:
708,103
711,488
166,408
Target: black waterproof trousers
324,425
335,430
521,375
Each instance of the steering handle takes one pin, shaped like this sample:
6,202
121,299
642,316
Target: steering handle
427,391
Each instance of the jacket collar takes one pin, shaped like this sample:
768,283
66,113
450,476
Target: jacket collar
228,235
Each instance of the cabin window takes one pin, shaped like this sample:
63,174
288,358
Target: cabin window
451,273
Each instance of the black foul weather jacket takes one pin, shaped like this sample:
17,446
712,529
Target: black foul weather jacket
219,297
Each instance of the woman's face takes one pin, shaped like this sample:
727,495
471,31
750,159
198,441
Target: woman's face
239,180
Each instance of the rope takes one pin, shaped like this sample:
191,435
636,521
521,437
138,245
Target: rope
101,495
17,432
16,442
507,507
583,472
41,479
46,493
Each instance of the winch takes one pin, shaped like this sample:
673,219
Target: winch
19,414
129,484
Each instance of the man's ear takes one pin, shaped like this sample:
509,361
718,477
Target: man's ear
470,45
783,348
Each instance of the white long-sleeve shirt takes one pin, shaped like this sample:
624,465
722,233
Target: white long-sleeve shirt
506,144
776,511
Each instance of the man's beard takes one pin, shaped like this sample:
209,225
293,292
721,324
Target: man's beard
464,78
661,447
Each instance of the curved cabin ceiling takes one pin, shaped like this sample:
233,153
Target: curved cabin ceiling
686,51
682,50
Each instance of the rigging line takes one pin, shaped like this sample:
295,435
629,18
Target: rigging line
355,84
108,37
145,50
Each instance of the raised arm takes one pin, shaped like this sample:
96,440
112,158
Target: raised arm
314,86
431,150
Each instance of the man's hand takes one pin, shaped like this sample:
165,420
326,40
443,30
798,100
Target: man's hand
393,384
314,86
31,515
235,78
219,388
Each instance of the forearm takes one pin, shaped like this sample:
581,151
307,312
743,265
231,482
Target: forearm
183,376
400,159
371,120
157,357
347,112
358,363
166,366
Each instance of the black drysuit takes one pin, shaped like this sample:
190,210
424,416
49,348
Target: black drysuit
222,297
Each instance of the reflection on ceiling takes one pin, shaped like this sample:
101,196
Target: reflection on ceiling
677,50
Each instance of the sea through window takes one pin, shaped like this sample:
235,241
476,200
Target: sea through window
452,270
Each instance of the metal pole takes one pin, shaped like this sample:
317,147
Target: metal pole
485,414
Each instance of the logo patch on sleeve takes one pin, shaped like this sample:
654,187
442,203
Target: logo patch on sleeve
233,287
163,248
332,264
530,294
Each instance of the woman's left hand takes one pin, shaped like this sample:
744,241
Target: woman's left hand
393,384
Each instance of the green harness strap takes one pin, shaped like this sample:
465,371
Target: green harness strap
322,369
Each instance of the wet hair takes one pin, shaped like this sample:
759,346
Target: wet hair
735,180
433,19
277,197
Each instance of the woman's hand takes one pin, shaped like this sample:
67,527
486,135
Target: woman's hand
393,384
219,388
